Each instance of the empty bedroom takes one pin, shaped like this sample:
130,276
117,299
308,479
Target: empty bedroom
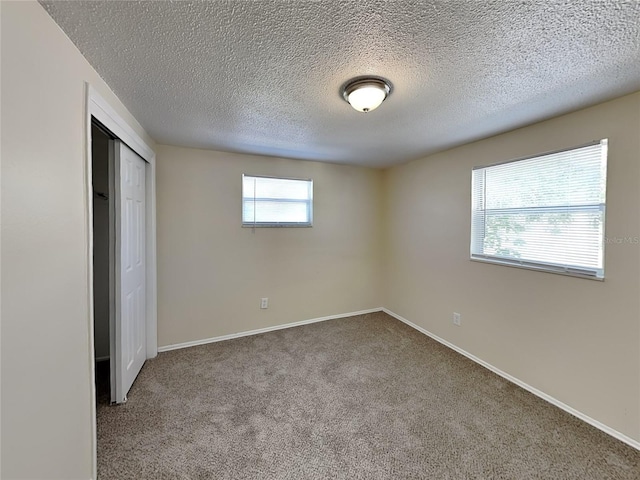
320,240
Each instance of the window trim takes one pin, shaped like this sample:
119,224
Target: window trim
309,203
538,267
548,267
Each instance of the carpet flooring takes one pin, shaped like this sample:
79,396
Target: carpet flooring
365,397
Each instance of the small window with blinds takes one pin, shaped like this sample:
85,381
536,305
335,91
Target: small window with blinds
544,213
276,202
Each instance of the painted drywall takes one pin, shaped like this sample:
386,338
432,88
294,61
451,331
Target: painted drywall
577,340
529,324
212,272
100,174
46,345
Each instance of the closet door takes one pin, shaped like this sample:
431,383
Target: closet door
130,271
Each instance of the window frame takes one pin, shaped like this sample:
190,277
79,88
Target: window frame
308,202
549,267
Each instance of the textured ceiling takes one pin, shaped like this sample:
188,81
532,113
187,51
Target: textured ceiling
264,77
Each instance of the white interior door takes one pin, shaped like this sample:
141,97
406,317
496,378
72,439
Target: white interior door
129,342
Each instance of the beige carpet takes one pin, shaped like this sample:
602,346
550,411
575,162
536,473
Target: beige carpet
365,397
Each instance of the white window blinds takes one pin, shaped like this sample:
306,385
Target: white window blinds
276,202
545,212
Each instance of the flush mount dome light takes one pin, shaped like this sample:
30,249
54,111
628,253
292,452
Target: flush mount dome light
366,94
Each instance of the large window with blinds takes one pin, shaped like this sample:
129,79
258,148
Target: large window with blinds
276,202
545,212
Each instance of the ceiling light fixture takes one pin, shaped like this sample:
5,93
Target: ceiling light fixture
365,94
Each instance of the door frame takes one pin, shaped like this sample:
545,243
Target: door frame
97,107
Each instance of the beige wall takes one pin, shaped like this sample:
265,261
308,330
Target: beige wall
577,340
46,349
212,272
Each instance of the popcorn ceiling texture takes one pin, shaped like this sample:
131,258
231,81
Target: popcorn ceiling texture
264,77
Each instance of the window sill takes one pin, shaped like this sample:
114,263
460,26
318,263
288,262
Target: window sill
538,268
276,225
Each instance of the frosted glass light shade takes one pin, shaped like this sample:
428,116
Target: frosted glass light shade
365,99
366,95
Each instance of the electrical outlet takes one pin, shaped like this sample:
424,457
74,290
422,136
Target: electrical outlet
264,303
456,318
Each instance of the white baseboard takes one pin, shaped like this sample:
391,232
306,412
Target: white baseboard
193,343
585,418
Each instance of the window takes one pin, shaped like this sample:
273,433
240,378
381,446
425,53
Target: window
545,212
276,202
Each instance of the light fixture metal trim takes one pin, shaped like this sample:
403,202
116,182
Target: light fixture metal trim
358,83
